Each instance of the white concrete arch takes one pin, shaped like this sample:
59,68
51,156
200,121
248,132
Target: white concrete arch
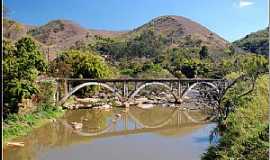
198,83
150,84
88,84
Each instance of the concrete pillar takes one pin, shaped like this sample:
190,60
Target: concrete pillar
127,90
179,89
57,91
171,85
124,89
135,86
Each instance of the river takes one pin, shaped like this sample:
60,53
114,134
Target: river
158,133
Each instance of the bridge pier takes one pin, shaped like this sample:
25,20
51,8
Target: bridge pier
57,93
125,89
179,89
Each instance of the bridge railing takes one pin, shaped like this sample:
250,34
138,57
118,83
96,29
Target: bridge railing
143,80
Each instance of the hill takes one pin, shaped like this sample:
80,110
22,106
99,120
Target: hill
182,32
14,30
257,42
60,35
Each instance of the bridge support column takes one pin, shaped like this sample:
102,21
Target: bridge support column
57,94
179,89
135,88
125,90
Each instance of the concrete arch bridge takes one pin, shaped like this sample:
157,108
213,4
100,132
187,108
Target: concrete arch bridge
128,89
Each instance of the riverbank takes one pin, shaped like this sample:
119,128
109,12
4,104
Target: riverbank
19,125
247,128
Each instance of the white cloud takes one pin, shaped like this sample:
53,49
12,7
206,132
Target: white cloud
244,3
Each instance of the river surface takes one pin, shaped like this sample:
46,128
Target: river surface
159,133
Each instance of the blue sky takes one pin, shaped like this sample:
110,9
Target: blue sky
232,19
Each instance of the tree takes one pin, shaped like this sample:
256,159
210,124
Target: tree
146,44
22,63
80,64
204,52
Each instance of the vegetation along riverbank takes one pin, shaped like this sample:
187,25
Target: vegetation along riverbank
245,130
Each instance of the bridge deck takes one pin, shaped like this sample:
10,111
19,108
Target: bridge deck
141,80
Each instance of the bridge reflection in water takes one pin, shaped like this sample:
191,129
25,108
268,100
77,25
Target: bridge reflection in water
99,124
137,120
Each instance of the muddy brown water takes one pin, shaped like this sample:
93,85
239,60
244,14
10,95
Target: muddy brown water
159,133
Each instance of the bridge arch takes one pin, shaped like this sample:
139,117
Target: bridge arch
198,83
150,84
88,84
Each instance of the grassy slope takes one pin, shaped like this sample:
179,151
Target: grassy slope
19,125
247,135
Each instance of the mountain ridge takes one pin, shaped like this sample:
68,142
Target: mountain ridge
62,34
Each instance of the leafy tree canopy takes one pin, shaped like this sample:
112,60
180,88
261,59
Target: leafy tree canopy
23,62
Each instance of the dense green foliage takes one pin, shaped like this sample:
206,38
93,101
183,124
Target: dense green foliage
46,94
186,62
81,64
257,42
247,130
148,69
23,62
78,64
244,64
147,44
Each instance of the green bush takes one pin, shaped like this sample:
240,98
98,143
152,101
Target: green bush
47,91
